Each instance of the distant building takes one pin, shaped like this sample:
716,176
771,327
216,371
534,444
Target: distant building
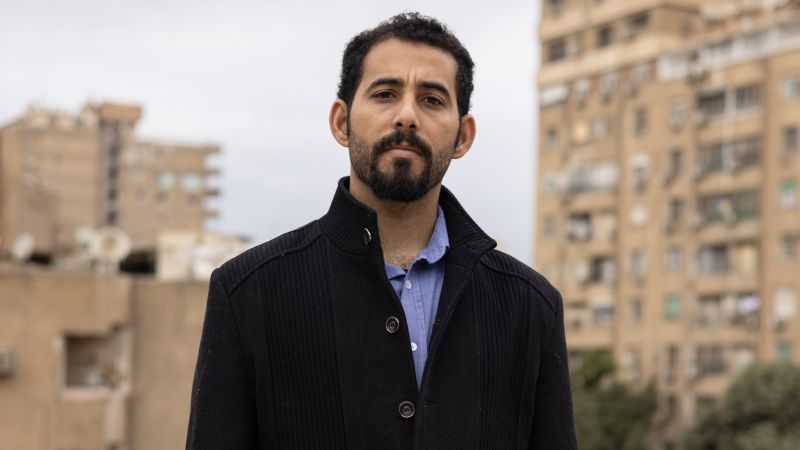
668,207
62,173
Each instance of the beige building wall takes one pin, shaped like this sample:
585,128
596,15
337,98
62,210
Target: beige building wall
100,361
668,207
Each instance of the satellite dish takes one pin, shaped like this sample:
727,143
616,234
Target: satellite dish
23,247
84,236
110,245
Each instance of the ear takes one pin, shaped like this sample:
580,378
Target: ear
466,136
338,122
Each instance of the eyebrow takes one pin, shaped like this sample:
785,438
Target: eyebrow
390,81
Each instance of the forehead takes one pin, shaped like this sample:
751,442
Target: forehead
402,59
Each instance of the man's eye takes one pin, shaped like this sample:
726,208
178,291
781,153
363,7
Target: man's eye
433,101
384,94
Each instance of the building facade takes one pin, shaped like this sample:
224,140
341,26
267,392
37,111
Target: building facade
668,169
96,361
63,173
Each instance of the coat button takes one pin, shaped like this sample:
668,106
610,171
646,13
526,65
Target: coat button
367,236
406,410
392,324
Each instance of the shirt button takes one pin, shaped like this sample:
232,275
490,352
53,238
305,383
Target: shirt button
367,236
413,346
406,410
392,324
408,284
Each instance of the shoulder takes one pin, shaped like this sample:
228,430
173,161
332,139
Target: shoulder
517,272
239,268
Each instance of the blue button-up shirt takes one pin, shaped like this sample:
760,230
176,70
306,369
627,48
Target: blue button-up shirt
418,290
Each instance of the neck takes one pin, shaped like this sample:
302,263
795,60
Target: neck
405,227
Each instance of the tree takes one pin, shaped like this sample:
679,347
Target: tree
608,415
759,411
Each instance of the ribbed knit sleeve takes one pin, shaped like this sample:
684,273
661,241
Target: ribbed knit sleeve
553,422
222,412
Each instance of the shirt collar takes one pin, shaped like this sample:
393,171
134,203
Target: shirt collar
433,252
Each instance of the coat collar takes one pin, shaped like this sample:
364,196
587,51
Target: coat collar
353,226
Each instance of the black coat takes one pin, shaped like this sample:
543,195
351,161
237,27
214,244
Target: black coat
297,352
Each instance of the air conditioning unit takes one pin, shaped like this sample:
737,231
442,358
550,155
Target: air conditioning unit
696,72
7,363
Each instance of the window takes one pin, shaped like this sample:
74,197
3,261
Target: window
602,270
713,260
165,180
747,97
604,36
191,182
635,310
790,139
639,23
672,365
579,227
603,315
790,86
674,259
788,247
551,139
677,114
788,194
599,127
555,6
638,265
710,360
640,122
672,307
631,365
549,183
548,228
783,351
711,103
676,206
94,362
735,155
675,161
729,208
556,50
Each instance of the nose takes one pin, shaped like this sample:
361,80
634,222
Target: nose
406,118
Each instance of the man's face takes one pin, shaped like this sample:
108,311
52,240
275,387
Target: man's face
403,124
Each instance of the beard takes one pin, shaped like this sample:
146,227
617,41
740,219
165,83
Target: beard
398,183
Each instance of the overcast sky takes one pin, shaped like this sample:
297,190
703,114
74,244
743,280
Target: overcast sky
258,78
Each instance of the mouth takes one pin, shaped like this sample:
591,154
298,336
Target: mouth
403,149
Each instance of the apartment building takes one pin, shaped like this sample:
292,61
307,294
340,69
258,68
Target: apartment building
62,174
667,189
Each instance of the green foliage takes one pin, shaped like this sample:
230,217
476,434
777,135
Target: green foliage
608,417
759,411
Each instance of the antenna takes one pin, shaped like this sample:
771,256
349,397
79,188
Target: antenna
109,246
22,248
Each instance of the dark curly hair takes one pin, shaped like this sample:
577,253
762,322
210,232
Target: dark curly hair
411,27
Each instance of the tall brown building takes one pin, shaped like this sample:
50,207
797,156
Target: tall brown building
61,173
668,170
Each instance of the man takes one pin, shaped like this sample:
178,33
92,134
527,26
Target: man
391,322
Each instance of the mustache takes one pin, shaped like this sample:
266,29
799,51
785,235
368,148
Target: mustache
397,137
